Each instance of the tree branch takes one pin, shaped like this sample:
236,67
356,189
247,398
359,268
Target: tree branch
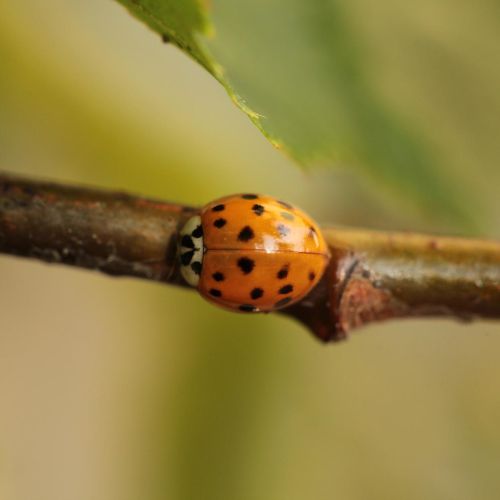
112,232
372,276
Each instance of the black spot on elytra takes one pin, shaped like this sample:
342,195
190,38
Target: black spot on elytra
283,302
218,276
283,272
256,293
187,241
258,209
165,38
197,232
283,230
247,308
285,289
285,204
246,234
220,223
312,232
196,267
186,258
214,292
246,265
312,275
249,196
218,208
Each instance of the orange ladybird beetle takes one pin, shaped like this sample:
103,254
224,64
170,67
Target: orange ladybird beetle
252,253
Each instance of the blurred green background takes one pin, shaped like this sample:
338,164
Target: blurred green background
121,389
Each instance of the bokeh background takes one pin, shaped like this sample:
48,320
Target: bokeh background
121,389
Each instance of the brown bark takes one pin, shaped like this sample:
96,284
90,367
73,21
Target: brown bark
372,276
375,275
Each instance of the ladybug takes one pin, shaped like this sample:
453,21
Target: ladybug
252,253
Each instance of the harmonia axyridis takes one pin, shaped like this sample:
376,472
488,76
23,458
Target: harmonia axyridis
252,253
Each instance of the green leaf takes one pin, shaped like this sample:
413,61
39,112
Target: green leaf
301,73
178,22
